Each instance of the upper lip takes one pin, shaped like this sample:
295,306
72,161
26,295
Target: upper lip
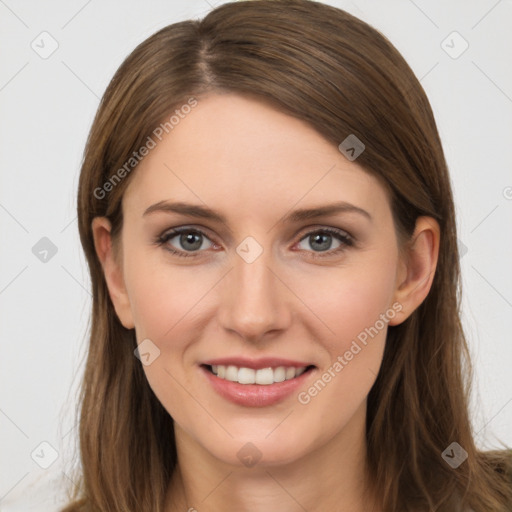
256,364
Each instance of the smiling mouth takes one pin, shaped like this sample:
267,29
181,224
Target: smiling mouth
263,376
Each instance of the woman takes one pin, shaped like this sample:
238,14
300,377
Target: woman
257,370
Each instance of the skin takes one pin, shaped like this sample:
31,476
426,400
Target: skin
255,164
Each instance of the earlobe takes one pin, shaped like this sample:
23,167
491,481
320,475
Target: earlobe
112,270
418,267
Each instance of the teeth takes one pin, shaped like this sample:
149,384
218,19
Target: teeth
231,373
263,376
245,376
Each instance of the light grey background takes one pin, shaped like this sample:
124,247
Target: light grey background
47,106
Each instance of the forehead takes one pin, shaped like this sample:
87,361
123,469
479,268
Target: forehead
238,151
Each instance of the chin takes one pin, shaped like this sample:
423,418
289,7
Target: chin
262,450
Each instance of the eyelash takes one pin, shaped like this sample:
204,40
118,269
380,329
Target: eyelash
345,239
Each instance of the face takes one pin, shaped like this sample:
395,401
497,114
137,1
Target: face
316,291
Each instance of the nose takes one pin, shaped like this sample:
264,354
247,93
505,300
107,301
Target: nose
255,301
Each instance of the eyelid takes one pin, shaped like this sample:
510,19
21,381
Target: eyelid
323,227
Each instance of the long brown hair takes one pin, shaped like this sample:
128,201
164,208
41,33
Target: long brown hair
326,67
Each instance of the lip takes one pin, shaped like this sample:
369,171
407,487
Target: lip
256,364
255,395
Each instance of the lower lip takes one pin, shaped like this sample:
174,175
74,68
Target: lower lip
255,395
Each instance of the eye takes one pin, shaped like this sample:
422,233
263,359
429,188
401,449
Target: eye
321,241
189,239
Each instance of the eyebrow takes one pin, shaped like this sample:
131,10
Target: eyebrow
296,216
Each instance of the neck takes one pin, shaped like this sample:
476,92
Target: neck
330,477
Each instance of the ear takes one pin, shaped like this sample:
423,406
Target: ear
112,270
417,267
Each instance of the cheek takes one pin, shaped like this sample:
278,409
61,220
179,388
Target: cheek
164,302
357,311
351,300
163,297
168,309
